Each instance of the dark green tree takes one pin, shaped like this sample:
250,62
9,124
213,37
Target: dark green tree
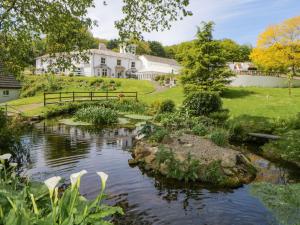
157,49
204,64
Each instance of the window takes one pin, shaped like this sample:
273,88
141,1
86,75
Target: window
6,93
103,60
119,62
132,64
120,74
104,72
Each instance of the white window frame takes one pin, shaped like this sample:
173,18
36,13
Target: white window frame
103,61
133,65
104,72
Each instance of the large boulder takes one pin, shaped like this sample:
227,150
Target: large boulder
216,165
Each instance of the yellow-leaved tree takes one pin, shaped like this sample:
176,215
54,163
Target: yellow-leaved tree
278,49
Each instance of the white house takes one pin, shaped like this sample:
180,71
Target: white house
107,63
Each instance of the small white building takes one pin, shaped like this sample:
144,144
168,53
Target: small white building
103,62
9,88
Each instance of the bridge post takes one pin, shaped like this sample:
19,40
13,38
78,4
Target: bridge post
91,96
73,96
59,96
106,95
45,99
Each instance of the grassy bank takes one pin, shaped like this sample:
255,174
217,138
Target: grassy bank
266,102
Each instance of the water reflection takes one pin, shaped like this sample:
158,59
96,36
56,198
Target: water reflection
58,149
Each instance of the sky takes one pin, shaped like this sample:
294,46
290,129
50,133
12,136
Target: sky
240,20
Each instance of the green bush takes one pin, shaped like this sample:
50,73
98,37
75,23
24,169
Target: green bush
220,137
97,115
240,127
203,103
167,106
158,135
286,148
200,130
220,116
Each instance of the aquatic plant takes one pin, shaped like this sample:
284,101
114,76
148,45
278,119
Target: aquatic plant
97,115
32,203
282,200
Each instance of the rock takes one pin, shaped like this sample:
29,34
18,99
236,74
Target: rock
233,168
133,162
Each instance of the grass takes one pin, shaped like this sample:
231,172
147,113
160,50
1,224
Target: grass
267,102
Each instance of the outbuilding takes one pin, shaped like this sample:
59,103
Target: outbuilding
9,87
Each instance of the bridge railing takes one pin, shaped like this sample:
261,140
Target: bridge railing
60,97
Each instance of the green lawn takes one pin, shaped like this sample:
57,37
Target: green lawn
268,102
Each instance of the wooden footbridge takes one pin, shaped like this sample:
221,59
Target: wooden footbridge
61,97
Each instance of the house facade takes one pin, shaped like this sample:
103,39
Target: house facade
103,62
9,87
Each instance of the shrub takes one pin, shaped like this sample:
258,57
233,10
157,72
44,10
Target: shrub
213,173
97,115
240,127
200,130
167,106
286,148
154,107
220,116
158,135
220,137
203,103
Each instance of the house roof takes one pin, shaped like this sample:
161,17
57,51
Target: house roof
8,80
157,59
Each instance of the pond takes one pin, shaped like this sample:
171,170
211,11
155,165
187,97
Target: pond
57,149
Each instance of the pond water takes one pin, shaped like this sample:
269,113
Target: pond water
57,149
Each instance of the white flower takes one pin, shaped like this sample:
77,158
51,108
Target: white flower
51,183
13,164
103,176
5,156
75,177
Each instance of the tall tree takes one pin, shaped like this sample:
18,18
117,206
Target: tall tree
65,24
204,64
157,49
278,48
233,52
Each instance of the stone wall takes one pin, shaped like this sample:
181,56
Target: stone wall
262,81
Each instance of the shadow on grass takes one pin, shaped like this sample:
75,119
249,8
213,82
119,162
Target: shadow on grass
236,93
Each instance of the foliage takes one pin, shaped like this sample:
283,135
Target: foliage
240,127
204,64
200,130
278,48
97,115
286,148
203,103
234,52
158,134
32,203
213,174
282,200
167,106
156,49
146,16
33,85
220,137
186,170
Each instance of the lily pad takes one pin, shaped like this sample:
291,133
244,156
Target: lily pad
138,117
72,122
